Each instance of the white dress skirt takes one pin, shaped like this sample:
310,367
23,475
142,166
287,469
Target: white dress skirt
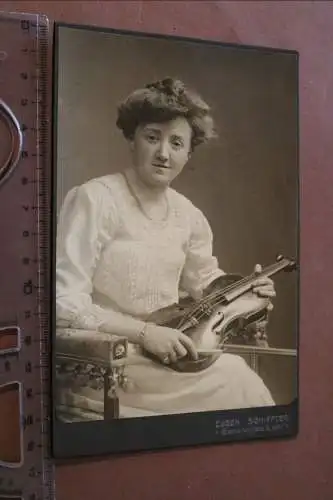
113,262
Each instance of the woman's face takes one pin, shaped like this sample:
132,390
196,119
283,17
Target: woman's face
161,150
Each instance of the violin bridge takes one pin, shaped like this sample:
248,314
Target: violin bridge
206,310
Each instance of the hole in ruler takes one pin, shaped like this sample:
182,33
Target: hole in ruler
11,449
11,141
5,136
9,339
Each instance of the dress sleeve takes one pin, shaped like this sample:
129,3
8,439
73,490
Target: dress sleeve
85,223
201,266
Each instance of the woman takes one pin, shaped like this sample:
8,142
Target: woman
128,245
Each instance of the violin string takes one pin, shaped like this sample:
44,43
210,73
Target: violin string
229,288
219,294
201,314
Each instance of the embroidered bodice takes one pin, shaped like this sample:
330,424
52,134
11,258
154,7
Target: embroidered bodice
111,258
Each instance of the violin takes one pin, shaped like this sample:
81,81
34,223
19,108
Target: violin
229,312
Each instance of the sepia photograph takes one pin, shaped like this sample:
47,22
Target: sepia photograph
176,241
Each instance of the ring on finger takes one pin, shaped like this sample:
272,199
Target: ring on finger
173,357
166,359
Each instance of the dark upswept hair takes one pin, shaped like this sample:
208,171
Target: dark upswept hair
164,100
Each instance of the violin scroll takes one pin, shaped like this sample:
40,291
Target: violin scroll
291,263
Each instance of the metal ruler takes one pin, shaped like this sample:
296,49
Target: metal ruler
25,223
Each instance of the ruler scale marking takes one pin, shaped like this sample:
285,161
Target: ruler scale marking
25,193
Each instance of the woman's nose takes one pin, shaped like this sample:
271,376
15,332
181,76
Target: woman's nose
163,152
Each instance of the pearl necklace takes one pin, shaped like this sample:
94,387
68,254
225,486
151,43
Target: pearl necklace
139,203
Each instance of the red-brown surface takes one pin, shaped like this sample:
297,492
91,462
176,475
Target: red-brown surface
8,338
10,444
301,468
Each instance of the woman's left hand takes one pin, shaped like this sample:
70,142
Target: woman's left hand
263,286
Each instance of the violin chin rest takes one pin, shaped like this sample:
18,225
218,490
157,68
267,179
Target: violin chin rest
187,365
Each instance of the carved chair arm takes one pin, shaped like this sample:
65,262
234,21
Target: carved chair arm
94,358
104,349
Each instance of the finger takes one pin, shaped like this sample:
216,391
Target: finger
187,342
257,269
173,356
180,350
263,281
270,307
197,295
264,292
266,286
165,358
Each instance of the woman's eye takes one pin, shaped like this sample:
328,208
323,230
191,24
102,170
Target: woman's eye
177,143
152,138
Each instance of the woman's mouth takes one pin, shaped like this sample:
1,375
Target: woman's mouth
156,165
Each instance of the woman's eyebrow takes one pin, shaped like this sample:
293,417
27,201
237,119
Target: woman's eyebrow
177,136
152,129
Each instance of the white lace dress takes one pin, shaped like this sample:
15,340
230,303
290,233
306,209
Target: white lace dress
113,261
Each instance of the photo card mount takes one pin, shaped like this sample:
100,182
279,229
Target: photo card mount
175,242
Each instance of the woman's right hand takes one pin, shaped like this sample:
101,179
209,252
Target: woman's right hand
168,344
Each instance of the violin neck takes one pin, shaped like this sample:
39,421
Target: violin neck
244,285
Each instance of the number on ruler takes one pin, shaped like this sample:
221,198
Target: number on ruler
27,287
25,25
31,446
33,472
28,393
28,420
27,340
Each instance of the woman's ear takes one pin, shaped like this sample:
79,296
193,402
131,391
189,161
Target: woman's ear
190,151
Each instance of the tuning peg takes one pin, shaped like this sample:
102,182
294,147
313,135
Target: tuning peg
293,266
279,257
